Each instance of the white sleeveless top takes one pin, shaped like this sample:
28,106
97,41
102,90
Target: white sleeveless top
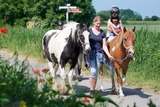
114,26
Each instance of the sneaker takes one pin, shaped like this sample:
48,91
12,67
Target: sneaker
92,92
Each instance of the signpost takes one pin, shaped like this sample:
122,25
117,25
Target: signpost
70,9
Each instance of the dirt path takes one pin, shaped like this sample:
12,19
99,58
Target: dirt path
139,96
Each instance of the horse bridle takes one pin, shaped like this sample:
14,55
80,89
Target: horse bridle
127,48
82,43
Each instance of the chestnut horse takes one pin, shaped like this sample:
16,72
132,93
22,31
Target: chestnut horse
122,49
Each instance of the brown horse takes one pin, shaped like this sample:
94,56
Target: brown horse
122,49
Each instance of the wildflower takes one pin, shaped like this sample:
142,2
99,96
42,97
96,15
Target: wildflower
41,80
45,70
37,71
87,100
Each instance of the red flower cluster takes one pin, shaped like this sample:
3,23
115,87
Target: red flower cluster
45,70
41,80
37,71
87,100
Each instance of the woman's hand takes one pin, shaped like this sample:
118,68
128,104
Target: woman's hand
110,57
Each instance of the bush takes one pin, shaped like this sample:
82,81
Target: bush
18,88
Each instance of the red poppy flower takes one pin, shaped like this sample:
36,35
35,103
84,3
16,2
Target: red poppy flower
37,71
41,80
87,100
45,70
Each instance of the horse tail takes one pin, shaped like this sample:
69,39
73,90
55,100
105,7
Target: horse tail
44,46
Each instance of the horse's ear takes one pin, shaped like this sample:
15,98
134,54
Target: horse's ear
124,29
88,24
134,28
81,25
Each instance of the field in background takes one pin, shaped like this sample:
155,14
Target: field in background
143,72
150,25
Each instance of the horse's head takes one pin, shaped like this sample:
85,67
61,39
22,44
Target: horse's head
83,37
128,41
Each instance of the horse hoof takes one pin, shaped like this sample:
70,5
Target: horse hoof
101,88
78,78
121,95
71,91
115,91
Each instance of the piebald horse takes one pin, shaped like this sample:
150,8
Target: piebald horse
63,46
122,49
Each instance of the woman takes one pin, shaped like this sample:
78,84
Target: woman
98,46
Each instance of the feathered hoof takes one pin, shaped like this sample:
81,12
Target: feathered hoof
71,92
101,88
121,95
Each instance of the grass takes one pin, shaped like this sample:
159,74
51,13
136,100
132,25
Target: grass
23,40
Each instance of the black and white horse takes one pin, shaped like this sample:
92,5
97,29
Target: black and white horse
64,46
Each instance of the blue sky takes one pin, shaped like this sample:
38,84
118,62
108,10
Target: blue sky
144,7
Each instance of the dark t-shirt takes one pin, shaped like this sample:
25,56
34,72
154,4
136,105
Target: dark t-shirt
96,40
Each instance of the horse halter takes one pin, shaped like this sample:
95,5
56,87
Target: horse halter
80,39
128,53
129,50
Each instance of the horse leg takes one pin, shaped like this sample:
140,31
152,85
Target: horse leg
78,71
112,71
53,67
124,70
101,77
63,74
119,81
70,77
78,67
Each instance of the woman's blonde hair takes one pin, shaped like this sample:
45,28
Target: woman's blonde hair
97,18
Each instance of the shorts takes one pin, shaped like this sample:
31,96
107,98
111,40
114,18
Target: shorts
97,59
94,65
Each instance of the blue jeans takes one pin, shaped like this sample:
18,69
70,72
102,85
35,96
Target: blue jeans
94,65
97,58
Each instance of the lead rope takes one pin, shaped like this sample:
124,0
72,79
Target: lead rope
120,60
83,44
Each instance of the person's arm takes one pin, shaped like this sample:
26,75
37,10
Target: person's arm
105,48
109,25
121,27
114,31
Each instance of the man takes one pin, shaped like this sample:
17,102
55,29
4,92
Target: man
60,25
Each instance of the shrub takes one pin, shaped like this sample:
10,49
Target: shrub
18,88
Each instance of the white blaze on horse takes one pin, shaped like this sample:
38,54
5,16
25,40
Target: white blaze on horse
122,49
63,46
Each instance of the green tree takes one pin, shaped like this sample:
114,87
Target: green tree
128,14
147,18
125,14
104,14
45,12
154,18
88,11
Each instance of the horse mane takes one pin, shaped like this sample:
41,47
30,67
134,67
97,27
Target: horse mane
118,40
72,28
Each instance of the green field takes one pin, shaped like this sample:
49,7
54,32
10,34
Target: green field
143,72
150,25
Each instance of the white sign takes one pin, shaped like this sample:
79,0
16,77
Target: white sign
67,7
